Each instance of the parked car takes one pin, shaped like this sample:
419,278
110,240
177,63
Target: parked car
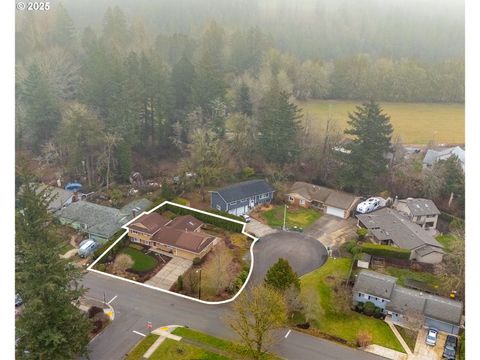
246,218
368,205
432,336
18,300
87,247
450,349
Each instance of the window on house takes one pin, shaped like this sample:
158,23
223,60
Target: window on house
290,198
360,294
302,202
233,203
369,297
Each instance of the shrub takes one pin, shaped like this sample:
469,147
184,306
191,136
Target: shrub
180,283
386,251
369,308
248,172
362,233
359,307
97,326
196,261
364,338
93,311
377,313
101,267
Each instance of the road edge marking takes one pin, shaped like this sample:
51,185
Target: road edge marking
138,333
288,333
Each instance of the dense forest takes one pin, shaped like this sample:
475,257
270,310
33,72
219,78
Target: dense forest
102,95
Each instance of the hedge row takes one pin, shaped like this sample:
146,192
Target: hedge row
115,249
386,251
209,219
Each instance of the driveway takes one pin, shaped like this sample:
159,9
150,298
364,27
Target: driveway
426,352
256,228
167,275
332,231
303,252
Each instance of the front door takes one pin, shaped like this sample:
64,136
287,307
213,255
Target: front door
252,203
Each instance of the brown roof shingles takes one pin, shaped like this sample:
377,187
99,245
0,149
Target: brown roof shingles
185,223
191,241
149,223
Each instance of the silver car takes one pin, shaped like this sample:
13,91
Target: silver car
432,336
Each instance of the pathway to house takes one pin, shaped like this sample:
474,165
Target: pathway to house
388,320
167,275
164,333
385,352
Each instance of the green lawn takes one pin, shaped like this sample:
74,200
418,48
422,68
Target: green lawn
194,345
142,262
446,240
296,216
410,336
416,123
223,346
344,325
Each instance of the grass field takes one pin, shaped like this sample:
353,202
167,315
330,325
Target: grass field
416,123
410,336
295,216
343,325
142,262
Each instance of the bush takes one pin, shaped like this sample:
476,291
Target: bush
377,313
180,283
386,251
97,326
369,308
359,307
196,261
364,338
362,233
248,172
93,311
101,267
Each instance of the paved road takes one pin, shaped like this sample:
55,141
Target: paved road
303,252
135,305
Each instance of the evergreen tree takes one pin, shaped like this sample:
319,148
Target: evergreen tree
365,159
281,276
183,74
124,160
51,326
63,33
42,108
244,104
279,126
453,178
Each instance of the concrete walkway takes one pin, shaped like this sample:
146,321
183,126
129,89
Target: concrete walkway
398,336
258,229
385,352
163,333
167,276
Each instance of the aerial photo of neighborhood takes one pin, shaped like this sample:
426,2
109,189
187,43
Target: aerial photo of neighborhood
247,179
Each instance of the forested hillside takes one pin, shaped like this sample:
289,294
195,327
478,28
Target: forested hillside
102,91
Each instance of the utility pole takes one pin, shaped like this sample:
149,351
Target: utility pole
199,271
285,218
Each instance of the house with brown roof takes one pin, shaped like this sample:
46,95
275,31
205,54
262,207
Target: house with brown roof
332,202
180,236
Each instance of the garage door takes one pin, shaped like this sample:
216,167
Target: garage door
239,211
335,212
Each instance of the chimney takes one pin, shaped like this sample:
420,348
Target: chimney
134,213
395,202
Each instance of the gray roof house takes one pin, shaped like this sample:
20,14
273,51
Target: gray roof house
240,198
98,221
389,227
57,197
423,212
336,203
432,156
441,313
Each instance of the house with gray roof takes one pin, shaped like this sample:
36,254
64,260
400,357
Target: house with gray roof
423,212
240,198
332,202
432,156
98,221
439,312
389,227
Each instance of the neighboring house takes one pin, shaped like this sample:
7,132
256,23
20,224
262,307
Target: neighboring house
439,312
180,237
98,221
432,156
389,227
240,198
332,202
57,197
423,212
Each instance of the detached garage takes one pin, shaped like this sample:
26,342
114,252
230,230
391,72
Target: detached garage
340,204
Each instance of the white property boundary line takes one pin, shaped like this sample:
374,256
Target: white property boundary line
90,268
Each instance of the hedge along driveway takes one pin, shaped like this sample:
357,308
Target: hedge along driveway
343,325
